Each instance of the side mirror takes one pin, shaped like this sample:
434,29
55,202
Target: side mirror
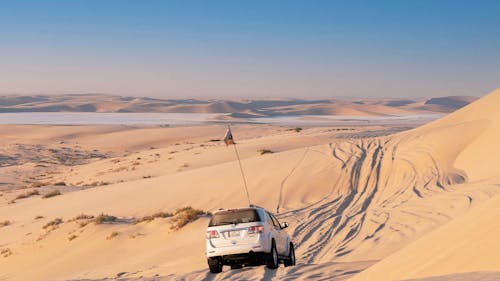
284,225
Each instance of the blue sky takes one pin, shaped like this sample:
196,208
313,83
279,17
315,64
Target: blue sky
219,49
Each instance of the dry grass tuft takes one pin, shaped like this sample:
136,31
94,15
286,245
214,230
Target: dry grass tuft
27,194
135,235
5,223
5,252
112,235
154,216
54,223
265,151
38,217
83,217
103,218
52,194
186,215
38,184
72,237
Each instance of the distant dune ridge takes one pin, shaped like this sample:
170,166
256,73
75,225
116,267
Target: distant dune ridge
237,109
421,204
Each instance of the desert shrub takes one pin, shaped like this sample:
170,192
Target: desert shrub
38,184
154,216
103,218
38,217
53,223
83,217
83,223
135,235
5,223
265,151
61,183
72,237
52,194
297,129
112,235
186,215
5,252
27,194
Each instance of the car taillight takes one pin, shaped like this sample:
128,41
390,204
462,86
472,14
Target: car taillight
255,229
212,234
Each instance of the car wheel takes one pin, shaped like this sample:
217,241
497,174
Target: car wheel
272,262
215,265
236,266
291,256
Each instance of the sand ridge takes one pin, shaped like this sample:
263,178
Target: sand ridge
237,109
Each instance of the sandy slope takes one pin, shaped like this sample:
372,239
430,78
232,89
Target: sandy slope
469,243
350,202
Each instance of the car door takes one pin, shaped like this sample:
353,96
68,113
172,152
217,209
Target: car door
275,230
280,237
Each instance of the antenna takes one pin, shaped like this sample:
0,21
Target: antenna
241,168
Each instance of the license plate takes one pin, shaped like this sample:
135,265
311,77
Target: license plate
234,233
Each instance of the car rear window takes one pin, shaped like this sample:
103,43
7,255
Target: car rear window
234,217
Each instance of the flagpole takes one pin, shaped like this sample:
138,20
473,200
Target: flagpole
241,169
242,173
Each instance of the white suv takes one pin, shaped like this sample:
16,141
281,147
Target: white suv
247,236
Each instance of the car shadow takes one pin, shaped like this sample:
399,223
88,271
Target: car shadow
269,274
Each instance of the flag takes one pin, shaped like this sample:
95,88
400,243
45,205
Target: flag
228,139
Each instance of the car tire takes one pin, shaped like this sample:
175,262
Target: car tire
215,265
273,261
291,256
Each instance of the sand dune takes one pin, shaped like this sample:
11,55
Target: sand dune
454,102
469,243
381,203
237,109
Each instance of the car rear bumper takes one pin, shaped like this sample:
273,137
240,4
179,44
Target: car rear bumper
234,252
250,258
